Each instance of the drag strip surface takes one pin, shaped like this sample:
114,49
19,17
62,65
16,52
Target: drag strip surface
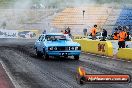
33,72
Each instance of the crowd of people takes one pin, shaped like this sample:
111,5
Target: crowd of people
121,34
93,33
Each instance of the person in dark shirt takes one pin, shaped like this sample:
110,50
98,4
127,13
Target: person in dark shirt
128,37
44,32
85,32
68,31
104,34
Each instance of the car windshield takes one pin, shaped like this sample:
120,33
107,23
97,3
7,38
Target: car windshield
55,37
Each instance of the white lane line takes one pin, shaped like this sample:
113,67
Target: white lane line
16,85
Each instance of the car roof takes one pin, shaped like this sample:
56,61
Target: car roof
54,34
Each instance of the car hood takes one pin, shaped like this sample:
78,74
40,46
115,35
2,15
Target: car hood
61,43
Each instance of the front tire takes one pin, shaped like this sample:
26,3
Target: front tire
76,57
46,56
38,53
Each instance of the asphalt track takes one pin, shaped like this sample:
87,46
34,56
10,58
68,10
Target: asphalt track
28,71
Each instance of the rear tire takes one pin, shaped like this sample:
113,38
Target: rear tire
39,54
76,57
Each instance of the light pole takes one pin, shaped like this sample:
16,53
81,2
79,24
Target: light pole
83,13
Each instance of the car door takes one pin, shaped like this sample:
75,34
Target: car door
37,44
42,43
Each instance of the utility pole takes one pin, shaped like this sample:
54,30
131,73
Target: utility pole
83,13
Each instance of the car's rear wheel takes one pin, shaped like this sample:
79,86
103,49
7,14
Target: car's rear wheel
76,57
38,53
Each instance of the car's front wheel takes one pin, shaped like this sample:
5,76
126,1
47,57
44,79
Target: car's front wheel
38,53
76,57
46,56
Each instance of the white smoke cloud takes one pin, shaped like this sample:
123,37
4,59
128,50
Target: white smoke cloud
23,4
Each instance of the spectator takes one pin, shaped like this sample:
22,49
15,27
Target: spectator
127,33
115,35
104,34
85,32
128,36
68,31
93,32
122,36
44,32
3,25
62,31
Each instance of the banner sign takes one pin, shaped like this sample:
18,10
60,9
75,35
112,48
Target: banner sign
28,34
8,34
83,77
24,34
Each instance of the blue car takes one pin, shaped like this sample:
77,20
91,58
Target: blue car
57,44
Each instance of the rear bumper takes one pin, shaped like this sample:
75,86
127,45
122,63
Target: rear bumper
63,53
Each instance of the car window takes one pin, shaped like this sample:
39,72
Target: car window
51,38
39,38
55,37
42,38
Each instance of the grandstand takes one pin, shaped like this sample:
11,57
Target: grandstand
73,17
112,19
125,17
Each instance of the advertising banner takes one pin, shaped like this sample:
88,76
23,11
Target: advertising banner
8,34
20,34
28,34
